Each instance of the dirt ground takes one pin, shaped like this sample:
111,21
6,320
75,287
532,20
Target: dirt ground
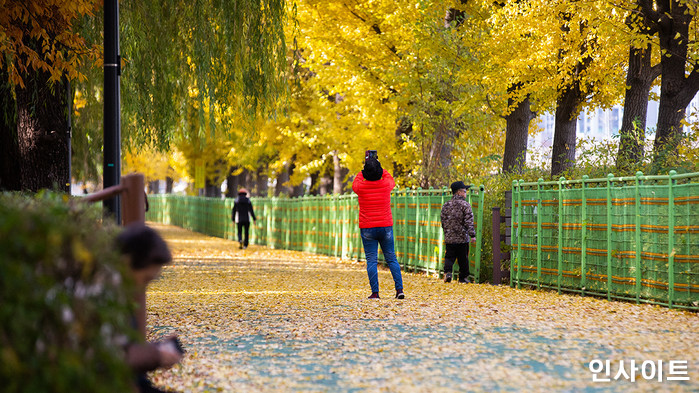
264,320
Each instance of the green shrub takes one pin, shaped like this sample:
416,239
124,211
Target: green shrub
64,308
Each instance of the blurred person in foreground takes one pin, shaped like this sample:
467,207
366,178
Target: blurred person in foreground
457,223
147,252
373,186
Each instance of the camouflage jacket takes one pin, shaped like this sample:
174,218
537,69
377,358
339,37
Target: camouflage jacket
457,221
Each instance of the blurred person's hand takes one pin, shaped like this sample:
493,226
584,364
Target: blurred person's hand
169,355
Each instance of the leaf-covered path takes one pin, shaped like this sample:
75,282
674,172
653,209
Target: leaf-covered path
262,320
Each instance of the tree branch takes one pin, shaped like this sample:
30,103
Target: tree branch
377,30
650,14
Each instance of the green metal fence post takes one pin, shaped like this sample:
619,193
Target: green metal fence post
405,228
583,245
349,239
479,232
560,233
609,236
538,233
513,234
396,228
519,233
639,247
440,257
337,241
671,239
427,230
418,228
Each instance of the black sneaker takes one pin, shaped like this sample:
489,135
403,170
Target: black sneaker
447,277
466,281
400,295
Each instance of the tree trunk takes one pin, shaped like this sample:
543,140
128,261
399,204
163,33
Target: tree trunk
404,130
236,182
517,133
9,150
297,190
632,134
248,180
42,127
212,190
325,185
154,187
337,174
261,182
231,185
315,184
437,158
564,138
672,18
169,182
281,189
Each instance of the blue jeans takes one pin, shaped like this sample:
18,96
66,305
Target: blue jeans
371,238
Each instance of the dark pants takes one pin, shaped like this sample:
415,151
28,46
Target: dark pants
458,252
372,238
243,226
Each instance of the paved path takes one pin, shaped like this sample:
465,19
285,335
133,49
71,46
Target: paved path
262,320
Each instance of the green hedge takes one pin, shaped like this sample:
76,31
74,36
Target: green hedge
64,307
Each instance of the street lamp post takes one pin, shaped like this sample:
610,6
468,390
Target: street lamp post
112,110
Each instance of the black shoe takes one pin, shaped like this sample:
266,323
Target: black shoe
400,295
466,281
447,277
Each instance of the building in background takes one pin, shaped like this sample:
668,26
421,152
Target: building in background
600,124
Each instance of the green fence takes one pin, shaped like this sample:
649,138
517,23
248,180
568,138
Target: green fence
632,238
329,224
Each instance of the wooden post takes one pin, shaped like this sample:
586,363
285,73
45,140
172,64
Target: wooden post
133,199
133,210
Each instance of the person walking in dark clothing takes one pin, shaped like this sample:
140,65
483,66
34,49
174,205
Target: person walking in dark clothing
457,223
242,211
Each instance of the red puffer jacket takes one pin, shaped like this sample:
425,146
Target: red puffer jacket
374,200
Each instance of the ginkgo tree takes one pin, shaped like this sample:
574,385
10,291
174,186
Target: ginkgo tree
41,50
384,79
562,55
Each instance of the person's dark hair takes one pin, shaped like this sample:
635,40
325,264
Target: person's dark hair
144,246
372,169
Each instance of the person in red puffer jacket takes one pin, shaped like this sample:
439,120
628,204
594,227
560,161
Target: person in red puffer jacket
373,186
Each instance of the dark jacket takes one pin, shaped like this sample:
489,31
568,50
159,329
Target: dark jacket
242,210
457,221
